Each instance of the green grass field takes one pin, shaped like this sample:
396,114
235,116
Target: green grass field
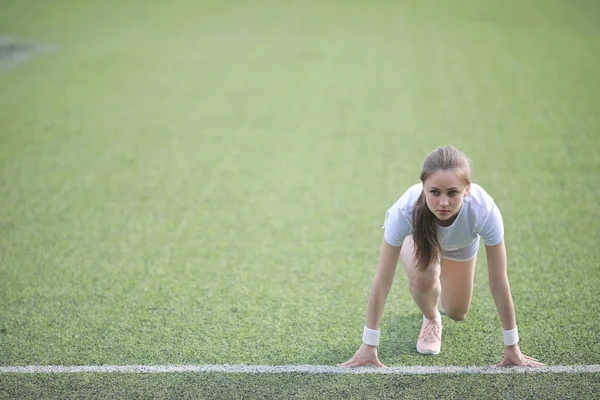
204,182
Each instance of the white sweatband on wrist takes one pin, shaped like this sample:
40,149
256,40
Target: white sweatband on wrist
510,337
371,336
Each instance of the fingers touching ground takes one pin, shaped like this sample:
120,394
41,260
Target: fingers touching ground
530,361
359,362
348,363
525,361
534,363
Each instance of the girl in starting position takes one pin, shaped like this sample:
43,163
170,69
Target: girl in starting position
434,230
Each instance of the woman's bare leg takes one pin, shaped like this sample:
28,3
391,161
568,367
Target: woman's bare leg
424,285
457,287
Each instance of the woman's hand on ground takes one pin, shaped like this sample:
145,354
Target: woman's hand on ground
514,357
365,355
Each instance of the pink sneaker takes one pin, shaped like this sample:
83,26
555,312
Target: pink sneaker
430,338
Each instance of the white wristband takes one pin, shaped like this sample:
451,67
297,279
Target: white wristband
371,336
510,337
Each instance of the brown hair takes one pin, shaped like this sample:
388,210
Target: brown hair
427,248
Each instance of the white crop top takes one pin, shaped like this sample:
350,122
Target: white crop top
478,216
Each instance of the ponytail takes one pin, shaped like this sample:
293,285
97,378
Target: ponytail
427,247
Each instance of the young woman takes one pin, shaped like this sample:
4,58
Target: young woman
434,230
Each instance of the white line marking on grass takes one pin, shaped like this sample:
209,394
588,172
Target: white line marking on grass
300,369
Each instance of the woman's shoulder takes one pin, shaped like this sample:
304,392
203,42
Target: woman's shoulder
485,215
410,196
479,199
406,203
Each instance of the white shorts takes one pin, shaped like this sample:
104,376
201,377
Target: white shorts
462,254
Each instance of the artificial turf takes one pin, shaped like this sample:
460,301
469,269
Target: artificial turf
205,183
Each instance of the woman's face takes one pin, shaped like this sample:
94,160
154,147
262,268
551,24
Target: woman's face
444,193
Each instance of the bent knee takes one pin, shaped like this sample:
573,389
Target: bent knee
423,283
457,315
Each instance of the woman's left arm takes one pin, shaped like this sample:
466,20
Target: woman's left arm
500,288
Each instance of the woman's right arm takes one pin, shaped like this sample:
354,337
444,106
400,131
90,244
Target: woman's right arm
386,269
388,259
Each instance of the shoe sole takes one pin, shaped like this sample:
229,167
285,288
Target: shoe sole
428,352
